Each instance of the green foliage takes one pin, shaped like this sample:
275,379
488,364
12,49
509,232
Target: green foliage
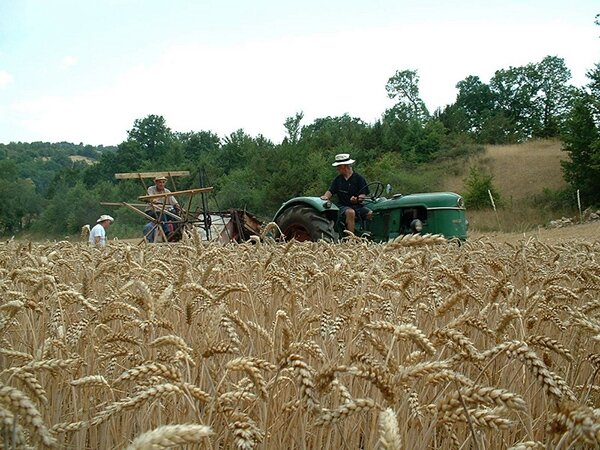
478,185
197,145
551,101
581,140
152,136
554,200
475,100
403,87
67,212
332,133
519,103
292,126
403,177
20,205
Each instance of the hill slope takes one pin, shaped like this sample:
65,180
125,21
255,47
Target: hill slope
520,171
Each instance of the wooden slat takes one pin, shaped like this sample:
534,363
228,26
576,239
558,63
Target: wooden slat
134,206
137,175
123,204
187,191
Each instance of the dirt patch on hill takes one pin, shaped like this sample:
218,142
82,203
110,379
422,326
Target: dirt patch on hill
85,159
587,232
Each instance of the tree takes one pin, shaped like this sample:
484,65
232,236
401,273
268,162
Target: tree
551,95
404,88
514,100
331,133
581,140
19,203
534,97
197,144
476,100
292,126
152,135
594,88
421,143
477,185
236,150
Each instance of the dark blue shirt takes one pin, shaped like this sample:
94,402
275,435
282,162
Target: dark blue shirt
351,187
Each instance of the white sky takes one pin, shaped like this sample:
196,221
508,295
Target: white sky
84,70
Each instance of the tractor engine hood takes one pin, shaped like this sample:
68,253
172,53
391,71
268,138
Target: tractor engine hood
429,200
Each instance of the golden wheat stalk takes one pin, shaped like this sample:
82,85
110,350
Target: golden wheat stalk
246,432
91,381
168,436
389,433
482,418
149,370
174,340
252,367
405,331
21,406
478,395
347,409
407,373
305,377
527,445
152,392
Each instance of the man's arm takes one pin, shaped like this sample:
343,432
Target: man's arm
327,195
363,189
331,191
174,203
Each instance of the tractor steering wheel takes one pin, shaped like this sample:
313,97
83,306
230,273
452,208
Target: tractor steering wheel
376,187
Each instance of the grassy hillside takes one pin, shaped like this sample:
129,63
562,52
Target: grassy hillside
521,174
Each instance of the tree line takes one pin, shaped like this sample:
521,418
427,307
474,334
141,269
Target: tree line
43,190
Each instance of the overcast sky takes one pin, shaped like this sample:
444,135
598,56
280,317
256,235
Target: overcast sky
83,71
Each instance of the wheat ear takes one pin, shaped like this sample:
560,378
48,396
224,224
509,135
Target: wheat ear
389,434
20,405
355,406
170,436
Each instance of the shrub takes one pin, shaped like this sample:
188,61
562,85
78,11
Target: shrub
477,185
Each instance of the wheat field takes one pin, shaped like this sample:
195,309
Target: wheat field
414,344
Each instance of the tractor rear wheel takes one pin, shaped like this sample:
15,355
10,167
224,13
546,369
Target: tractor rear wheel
303,223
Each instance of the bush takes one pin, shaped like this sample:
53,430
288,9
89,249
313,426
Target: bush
478,186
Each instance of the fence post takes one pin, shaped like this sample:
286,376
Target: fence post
495,211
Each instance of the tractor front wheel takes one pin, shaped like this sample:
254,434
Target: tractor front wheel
303,223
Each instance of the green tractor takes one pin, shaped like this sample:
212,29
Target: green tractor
314,219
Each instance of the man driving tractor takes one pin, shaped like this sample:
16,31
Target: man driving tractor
351,189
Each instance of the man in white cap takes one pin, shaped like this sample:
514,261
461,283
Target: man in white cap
169,203
159,188
98,233
351,189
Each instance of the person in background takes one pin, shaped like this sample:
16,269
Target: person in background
98,232
172,205
351,189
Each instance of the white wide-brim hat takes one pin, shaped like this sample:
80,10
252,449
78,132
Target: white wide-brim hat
341,159
104,217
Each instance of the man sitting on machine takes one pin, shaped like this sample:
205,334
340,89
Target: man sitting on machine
166,209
